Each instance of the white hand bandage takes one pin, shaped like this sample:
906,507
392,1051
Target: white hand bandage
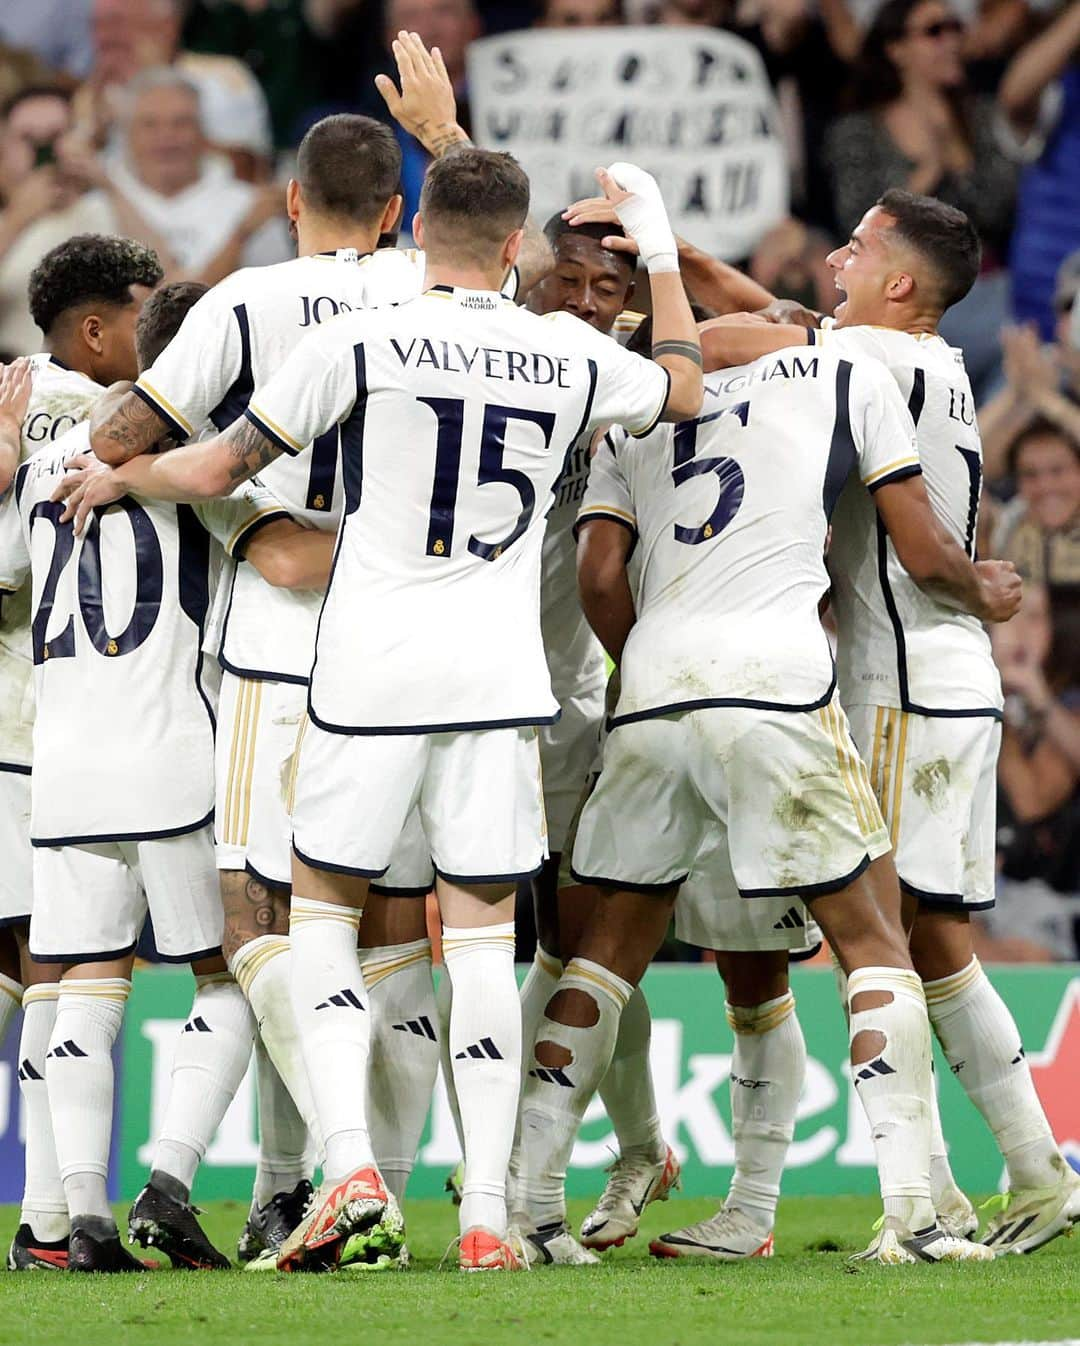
644,218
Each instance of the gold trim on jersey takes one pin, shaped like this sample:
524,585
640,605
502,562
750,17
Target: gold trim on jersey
249,522
165,404
607,509
256,415
237,812
909,460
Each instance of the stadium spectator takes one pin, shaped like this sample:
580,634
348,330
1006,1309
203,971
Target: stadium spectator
53,187
1040,95
918,126
134,35
1040,531
209,222
580,14
56,31
1040,380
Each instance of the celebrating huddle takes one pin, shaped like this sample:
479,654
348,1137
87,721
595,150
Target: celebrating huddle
360,482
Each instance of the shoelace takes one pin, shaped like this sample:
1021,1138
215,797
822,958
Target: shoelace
998,1203
620,1183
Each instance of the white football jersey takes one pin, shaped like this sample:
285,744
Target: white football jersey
573,652
123,737
730,513
233,340
60,398
455,412
899,646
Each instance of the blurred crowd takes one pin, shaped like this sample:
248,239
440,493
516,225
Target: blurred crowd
173,121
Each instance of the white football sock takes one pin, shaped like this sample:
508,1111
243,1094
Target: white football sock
11,998
894,1087
283,1138
536,990
44,1206
982,1044
404,1058
332,1019
485,1047
212,1055
263,970
79,1073
942,1182
627,1087
444,1000
768,1067
556,1097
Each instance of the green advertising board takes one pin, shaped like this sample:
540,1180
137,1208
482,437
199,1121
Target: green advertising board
691,1057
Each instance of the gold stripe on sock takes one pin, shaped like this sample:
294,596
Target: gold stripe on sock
885,979
946,987
463,945
111,989
613,992
36,995
546,963
14,990
247,964
215,979
376,970
752,1022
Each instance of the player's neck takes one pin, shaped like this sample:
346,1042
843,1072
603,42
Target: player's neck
914,322
461,277
71,356
315,236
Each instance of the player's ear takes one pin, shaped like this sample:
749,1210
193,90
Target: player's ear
391,217
292,200
900,287
512,247
418,230
92,330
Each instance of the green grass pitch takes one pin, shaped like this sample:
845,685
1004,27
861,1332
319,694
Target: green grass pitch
807,1294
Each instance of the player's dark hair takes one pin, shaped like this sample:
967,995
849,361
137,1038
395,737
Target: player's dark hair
349,167
941,234
160,317
33,91
1042,427
471,200
557,228
88,270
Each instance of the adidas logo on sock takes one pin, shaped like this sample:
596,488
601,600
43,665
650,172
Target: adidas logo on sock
485,1047
873,1069
791,920
420,1027
345,999
552,1075
66,1049
197,1025
27,1072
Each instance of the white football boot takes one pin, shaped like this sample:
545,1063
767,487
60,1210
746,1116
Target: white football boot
635,1180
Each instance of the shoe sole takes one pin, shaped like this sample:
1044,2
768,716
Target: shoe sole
657,1248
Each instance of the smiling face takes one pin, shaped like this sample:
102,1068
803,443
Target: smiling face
588,281
1048,478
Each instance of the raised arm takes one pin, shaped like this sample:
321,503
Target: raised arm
15,381
1038,64
426,107
937,562
744,337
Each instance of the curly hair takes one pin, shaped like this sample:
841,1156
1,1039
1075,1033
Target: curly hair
89,269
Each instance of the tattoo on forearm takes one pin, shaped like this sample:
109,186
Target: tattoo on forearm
689,350
133,426
249,450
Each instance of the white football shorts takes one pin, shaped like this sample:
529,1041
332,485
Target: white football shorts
91,901
568,751
935,778
477,795
16,871
256,738
789,787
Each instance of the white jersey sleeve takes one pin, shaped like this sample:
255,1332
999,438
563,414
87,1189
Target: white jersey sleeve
313,390
14,556
209,357
630,390
234,519
881,427
609,495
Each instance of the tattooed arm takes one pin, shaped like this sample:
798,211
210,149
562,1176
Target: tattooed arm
195,472
122,425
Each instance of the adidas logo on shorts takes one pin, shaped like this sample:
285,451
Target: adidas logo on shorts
791,920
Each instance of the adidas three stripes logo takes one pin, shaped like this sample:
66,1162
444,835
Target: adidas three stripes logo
345,999
485,1047
65,1049
791,920
197,1025
873,1069
421,1028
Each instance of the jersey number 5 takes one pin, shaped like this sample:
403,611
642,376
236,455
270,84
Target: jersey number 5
728,473
149,571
